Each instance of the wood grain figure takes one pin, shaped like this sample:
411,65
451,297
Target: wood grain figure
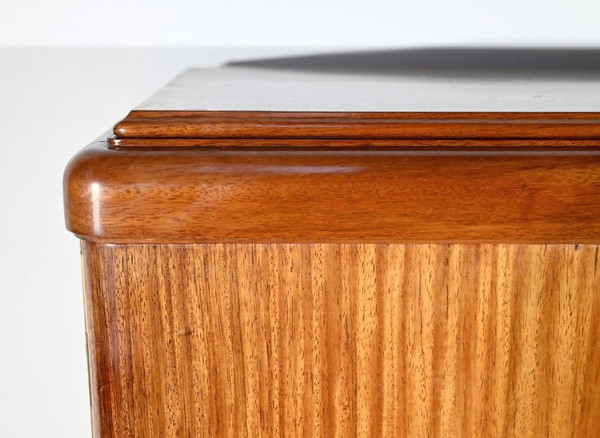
333,196
331,340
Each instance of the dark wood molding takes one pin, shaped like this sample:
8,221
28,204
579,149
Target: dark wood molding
357,125
320,195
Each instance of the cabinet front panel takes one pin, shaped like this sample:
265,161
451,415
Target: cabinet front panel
343,340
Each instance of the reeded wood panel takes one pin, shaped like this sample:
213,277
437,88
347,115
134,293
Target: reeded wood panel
336,340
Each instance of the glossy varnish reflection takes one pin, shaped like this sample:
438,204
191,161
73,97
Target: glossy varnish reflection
343,340
283,195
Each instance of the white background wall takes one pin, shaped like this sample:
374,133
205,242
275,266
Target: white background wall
55,100
301,23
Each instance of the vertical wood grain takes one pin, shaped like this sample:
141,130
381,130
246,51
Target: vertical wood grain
331,340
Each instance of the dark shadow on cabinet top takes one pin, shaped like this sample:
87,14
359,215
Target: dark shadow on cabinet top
458,62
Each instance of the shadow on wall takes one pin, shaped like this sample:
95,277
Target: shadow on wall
522,63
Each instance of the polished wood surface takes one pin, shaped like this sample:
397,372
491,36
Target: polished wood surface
330,340
371,86
270,251
333,195
323,125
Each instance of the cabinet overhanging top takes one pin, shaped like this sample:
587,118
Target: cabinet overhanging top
243,102
468,157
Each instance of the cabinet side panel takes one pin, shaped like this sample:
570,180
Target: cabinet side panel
335,340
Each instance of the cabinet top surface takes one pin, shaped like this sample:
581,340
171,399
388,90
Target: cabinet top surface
258,89
452,80
418,94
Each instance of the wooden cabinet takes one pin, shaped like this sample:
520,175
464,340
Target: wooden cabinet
279,253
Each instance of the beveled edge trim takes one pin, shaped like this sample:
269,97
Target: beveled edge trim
115,142
321,196
356,125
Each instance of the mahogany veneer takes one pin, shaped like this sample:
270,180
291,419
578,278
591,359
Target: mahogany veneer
270,253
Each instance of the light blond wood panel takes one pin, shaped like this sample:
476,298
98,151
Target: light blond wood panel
344,340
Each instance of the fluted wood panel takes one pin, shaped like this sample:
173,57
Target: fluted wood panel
331,340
